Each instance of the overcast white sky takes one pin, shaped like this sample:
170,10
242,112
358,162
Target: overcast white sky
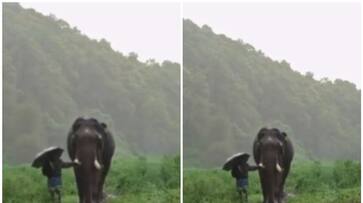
323,38
152,30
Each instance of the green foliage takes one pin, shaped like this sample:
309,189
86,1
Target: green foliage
170,171
53,74
351,175
307,182
129,180
213,185
231,90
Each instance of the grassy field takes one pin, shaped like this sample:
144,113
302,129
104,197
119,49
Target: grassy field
130,180
157,180
326,182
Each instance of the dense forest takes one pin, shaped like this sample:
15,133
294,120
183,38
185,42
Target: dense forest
231,90
53,73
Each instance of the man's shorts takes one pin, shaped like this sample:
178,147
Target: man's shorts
242,183
54,183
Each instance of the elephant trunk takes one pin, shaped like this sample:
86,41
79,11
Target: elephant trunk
88,172
270,173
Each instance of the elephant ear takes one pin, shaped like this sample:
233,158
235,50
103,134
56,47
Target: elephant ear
282,136
104,126
70,143
71,134
256,145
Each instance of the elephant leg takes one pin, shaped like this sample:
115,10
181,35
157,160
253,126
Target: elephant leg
264,196
101,193
79,188
282,194
107,165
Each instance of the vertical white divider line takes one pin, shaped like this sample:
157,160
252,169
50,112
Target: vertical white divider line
181,101
361,97
1,102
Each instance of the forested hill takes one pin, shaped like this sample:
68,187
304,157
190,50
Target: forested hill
231,90
53,74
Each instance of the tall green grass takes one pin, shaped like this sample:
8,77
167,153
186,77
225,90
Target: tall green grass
157,180
308,181
131,180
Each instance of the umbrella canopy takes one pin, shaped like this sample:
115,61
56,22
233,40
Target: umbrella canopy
42,156
235,159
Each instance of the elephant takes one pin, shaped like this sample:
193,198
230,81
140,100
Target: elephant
91,147
273,153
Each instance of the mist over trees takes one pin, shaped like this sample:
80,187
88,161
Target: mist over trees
231,90
52,73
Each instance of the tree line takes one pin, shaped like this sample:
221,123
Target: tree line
231,90
53,73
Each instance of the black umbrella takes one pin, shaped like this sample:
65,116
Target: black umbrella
44,155
235,159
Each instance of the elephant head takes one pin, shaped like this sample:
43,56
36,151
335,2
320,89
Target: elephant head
273,153
91,147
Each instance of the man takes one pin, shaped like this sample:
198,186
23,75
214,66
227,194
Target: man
52,168
240,172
